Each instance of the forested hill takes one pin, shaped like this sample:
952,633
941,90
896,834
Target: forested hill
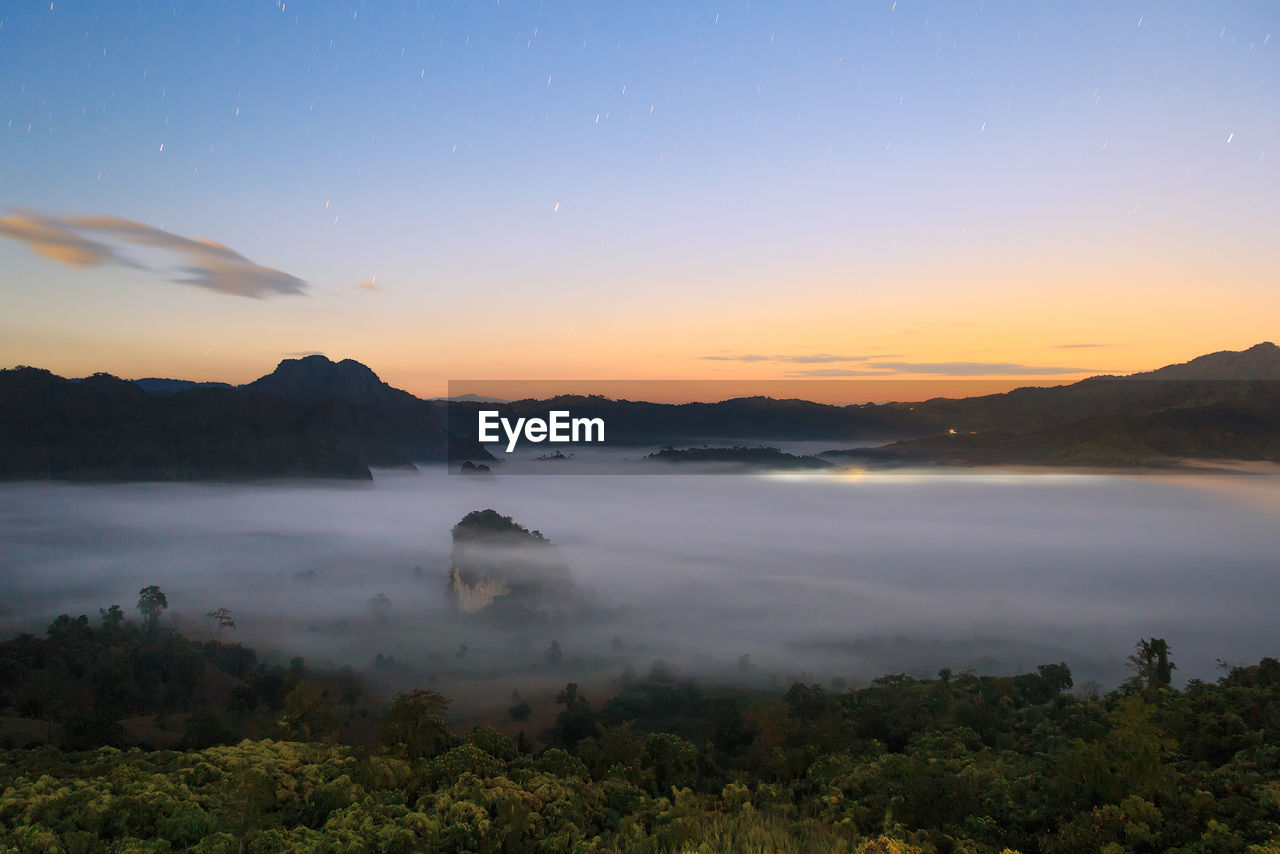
309,418
1222,405
657,764
312,417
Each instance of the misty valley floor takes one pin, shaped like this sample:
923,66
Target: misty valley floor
824,576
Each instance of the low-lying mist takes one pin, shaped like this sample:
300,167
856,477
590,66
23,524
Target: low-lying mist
753,578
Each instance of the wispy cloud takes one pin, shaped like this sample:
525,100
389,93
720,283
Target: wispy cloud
838,372
1078,346
50,239
90,241
814,359
950,369
878,366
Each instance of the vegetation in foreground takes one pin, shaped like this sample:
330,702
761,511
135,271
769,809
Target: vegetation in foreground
957,763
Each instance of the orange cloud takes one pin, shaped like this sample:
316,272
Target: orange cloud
49,239
85,241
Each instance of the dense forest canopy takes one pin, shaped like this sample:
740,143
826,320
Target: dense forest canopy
274,757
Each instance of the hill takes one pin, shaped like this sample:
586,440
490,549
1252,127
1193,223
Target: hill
313,417
317,419
1224,405
1220,406
1259,362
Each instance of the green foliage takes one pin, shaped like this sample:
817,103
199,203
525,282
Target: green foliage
308,715
413,727
79,681
902,766
1152,668
576,722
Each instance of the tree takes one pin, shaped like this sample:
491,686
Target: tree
308,715
112,618
414,725
151,603
1057,676
577,721
351,695
222,617
1151,665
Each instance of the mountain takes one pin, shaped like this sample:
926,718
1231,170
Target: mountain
1222,405
472,398
160,385
313,417
633,422
316,379
1259,362
385,425
317,419
104,428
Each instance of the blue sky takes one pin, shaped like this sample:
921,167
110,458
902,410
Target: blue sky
592,168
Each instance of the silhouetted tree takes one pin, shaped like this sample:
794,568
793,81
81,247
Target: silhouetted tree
1151,665
222,618
1058,676
577,721
151,603
112,618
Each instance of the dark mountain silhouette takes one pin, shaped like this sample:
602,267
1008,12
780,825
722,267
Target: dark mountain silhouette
162,385
1259,362
1220,406
320,420
386,426
313,417
631,422
107,428
316,379
473,398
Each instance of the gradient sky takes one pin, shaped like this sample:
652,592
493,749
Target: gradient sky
730,190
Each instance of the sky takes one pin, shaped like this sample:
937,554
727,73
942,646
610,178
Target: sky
715,191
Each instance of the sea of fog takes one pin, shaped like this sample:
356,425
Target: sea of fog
753,577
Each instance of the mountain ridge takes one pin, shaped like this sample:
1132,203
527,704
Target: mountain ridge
326,419
313,417
315,378
1259,362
